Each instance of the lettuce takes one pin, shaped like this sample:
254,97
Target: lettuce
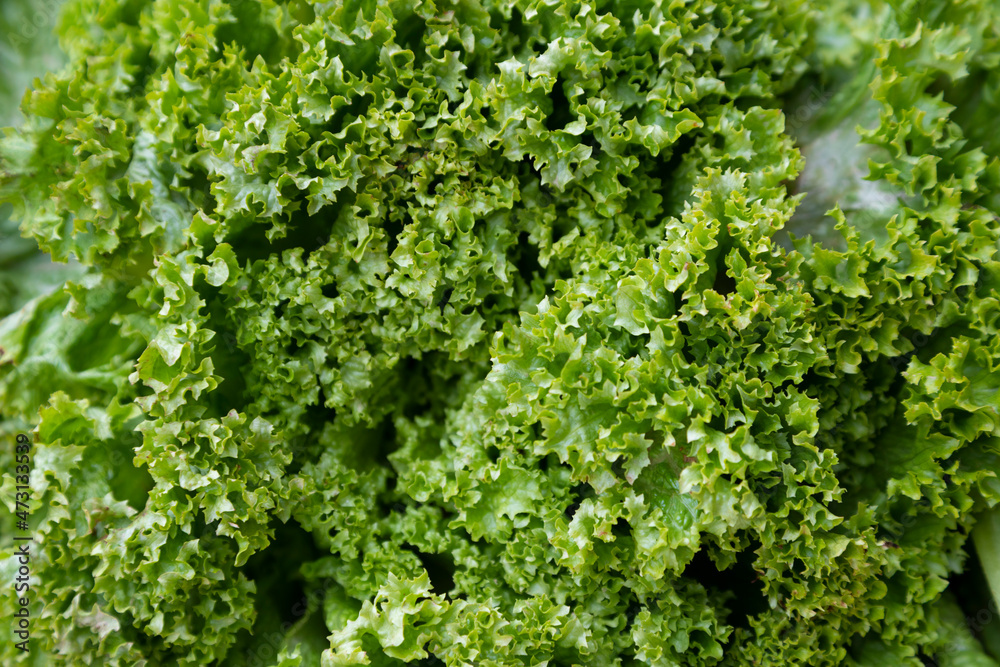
509,333
28,49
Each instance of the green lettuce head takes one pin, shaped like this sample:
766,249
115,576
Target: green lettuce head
475,333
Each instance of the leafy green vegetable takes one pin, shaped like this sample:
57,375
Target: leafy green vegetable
28,49
508,333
